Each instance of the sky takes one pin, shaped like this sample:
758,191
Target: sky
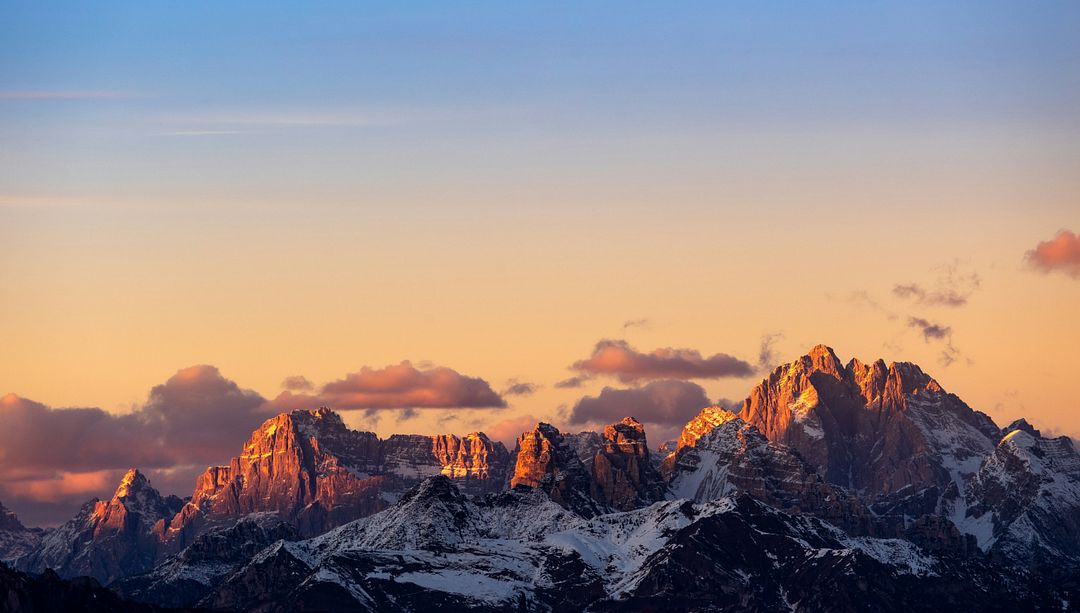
444,217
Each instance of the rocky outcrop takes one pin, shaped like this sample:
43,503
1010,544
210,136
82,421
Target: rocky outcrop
15,539
547,461
622,468
719,455
308,469
108,538
874,428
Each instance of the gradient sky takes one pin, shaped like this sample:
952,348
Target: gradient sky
495,187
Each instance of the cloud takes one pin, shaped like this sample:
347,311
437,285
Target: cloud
263,120
619,359
666,402
52,459
43,202
636,323
297,383
951,288
930,331
937,332
519,388
200,414
924,296
766,357
73,94
572,382
1061,253
397,387
862,298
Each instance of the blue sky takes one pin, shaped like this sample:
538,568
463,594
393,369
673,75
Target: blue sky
118,84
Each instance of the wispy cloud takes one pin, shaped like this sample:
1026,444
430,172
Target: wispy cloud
69,94
27,201
951,288
195,133
238,121
932,331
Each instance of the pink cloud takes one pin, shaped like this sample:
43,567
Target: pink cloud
398,386
617,358
1060,253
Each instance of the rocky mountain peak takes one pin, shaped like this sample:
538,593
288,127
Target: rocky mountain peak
1021,424
8,520
546,461
870,426
703,423
315,473
622,469
627,431
131,484
15,539
822,358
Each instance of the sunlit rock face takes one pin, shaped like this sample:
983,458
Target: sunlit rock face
308,469
623,470
874,428
108,539
547,461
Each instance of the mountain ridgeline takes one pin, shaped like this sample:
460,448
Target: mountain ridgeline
833,487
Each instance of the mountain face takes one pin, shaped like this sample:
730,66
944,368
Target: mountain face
546,460
718,454
308,469
876,429
1024,502
437,549
589,472
623,469
15,539
183,579
107,539
892,436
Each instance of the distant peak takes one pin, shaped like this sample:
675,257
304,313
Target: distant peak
546,429
319,414
823,358
1022,424
132,481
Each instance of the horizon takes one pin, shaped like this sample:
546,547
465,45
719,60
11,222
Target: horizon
179,480
436,218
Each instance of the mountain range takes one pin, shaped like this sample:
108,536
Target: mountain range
841,487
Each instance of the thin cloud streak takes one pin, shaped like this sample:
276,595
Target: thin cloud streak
31,202
40,94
